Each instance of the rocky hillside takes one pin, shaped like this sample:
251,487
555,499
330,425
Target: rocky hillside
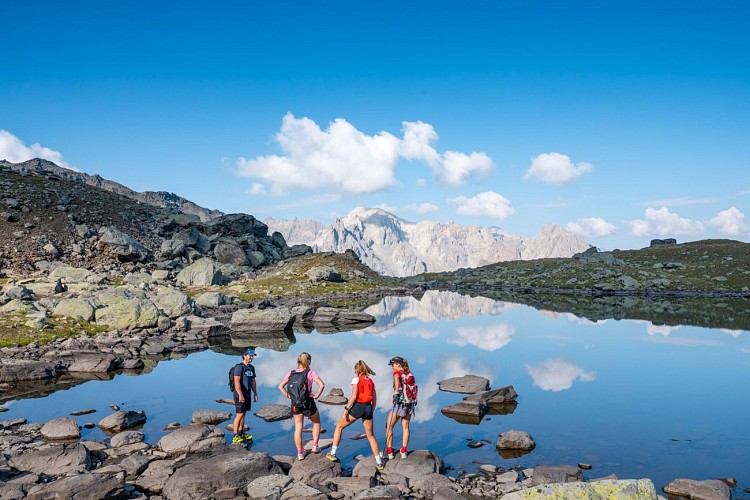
51,216
394,247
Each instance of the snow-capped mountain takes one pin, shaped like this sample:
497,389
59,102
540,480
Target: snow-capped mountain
394,247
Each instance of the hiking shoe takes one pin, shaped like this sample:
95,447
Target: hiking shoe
237,439
245,437
332,458
315,449
301,456
403,454
379,466
391,456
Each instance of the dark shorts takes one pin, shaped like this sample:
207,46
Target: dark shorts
361,410
404,411
308,411
242,407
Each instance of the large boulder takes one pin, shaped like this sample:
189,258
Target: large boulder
415,465
82,486
324,273
61,428
128,314
93,363
122,420
202,475
75,308
237,225
468,384
315,469
710,489
228,251
120,245
545,474
631,489
54,460
211,417
191,438
262,320
515,440
501,396
210,299
282,487
274,412
155,476
172,302
73,275
201,273
187,238
126,438
466,412
15,370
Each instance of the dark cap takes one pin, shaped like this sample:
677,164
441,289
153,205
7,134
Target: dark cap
250,352
396,359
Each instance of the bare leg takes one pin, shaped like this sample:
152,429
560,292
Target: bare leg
371,437
315,419
239,423
405,427
344,421
298,431
392,419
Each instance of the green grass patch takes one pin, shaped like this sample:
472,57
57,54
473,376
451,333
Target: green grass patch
14,332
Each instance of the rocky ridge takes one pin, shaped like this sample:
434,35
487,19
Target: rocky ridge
394,247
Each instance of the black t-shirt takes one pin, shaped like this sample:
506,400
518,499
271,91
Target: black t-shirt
247,375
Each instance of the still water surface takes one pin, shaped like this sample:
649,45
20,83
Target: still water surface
627,397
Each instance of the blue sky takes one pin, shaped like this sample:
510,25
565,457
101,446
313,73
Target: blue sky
624,121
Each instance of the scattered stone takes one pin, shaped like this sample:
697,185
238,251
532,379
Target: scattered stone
544,474
474,444
122,420
584,466
710,489
190,439
274,412
60,429
212,417
468,384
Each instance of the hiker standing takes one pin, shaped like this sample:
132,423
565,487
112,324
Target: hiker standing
243,375
404,402
298,387
360,405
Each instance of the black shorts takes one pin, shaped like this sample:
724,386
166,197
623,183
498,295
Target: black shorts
310,409
361,410
242,407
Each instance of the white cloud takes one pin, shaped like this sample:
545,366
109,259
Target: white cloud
421,182
555,168
558,374
14,150
257,189
343,159
663,330
487,204
730,221
662,222
387,208
422,208
591,227
678,202
487,338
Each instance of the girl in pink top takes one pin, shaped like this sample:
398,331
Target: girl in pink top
309,409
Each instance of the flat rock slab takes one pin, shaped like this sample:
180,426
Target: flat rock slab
122,420
61,428
711,489
80,486
191,438
468,384
322,444
501,396
331,399
546,474
282,487
55,460
632,489
315,469
466,411
126,438
212,417
415,465
274,412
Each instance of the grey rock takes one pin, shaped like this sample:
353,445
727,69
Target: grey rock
204,474
500,396
55,460
155,476
61,428
122,420
515,440
81,487
94,364
212,417
281,487
73,275
264,320
628,489
128,313
710,489
19,293
274,412
121,245
468,384
135,464
172,302
466,411
201,273
15,370
210,299
545,474
414,466
430,484
315,469
382,492
228,251
191,438
125,438
324,273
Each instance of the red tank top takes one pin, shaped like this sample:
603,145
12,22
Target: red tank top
365,388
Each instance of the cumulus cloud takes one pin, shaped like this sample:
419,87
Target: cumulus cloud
730,221
591,227
662,222
487,204
487,338
257,189
663,330
555,168
346,160
422,208
558,374
14,150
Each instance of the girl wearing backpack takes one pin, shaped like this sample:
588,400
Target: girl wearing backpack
404,402
298,387
361,405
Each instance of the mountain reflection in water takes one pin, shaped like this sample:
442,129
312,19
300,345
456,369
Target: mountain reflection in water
591,387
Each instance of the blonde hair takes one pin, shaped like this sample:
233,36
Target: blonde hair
361,368
405,365
304,360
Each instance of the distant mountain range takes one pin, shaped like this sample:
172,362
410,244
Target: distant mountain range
394,247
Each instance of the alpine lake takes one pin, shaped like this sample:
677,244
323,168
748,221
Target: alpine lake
640,398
